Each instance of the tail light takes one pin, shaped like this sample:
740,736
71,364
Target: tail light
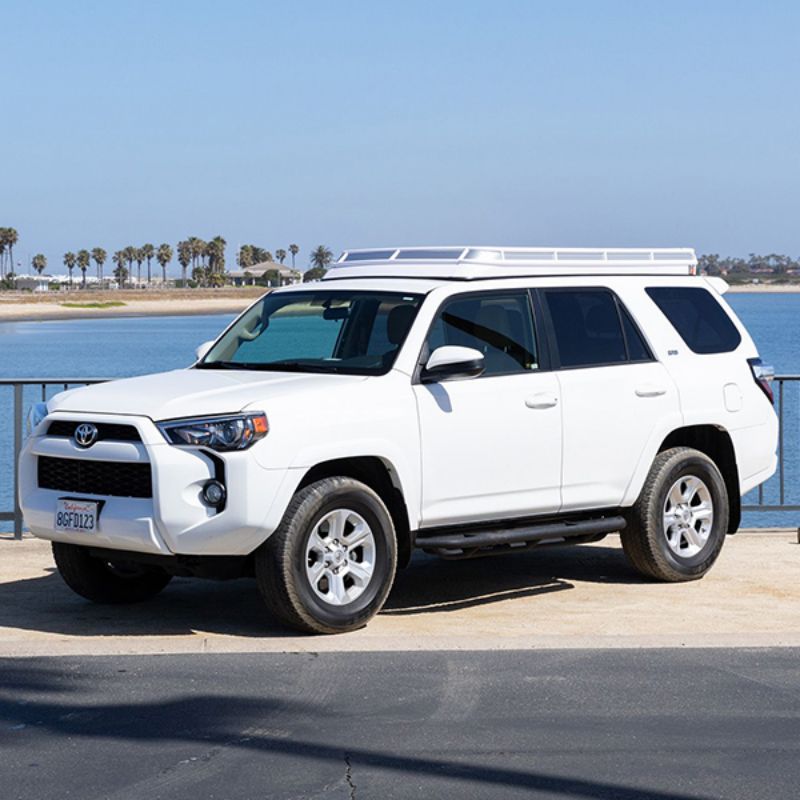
763,375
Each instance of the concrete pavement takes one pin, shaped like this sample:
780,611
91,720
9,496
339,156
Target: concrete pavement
572,597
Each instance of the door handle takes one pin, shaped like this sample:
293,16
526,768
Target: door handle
542,400
650,390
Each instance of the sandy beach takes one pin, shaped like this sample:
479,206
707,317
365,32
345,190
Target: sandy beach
765,288
24,307
88,304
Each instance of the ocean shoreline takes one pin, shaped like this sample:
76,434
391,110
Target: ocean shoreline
30,309
762,288
141,304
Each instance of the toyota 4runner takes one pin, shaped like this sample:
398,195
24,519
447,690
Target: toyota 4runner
462,401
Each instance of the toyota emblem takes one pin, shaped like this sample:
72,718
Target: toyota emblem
85,434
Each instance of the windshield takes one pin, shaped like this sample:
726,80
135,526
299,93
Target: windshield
358,333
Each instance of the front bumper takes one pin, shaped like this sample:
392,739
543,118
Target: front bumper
174,520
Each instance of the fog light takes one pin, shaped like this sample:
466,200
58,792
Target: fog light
213,493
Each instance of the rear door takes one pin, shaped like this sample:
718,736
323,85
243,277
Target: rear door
491,445
614,393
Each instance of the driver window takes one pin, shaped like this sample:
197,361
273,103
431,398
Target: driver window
499,325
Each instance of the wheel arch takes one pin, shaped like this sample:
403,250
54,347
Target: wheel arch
382,477
717,444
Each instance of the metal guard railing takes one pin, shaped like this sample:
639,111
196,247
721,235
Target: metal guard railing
20,404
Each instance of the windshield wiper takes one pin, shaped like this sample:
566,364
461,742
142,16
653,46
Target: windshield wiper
294,366
218,365
270,366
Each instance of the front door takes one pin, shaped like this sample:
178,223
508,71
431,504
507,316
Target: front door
491,445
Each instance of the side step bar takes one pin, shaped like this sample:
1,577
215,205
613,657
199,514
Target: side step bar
475,539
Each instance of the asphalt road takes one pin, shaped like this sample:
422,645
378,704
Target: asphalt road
663,724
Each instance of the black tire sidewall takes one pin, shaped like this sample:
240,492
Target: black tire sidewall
704,470
93,579
385,556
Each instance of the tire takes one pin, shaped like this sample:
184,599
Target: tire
686,548
107,582
295,566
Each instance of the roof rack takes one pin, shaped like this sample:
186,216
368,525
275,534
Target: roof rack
472,262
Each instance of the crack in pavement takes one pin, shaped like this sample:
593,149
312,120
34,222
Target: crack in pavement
348,776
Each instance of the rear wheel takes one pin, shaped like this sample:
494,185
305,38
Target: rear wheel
331,563
678,525
104,581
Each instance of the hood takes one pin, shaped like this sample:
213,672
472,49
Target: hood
193,392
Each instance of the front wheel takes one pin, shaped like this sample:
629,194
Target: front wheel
101,581
678,525
329,566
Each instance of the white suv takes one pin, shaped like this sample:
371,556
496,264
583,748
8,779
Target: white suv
458,400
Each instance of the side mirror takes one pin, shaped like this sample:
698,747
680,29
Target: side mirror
203,349
451,362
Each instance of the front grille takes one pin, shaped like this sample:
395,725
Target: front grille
105,430
113,478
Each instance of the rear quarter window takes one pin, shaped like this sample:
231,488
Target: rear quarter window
699,319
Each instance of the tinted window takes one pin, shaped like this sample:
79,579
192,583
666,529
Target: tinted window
586,326
698,317
320,331
637,347
499,325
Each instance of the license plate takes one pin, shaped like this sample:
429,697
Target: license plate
76,516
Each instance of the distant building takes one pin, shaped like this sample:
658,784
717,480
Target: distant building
251,275
36,283
43,283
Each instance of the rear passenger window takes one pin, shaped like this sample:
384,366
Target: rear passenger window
698,317
587,327
500,325
637,347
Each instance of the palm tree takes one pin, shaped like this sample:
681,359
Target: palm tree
280,255
216,255
294,250
2,250
138,255
10,237
99,257
147,252
69,263
83,264
245,257
130,256
321,257
120,258
196,248
39,263
184,259
164,256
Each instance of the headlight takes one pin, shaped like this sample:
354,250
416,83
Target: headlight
236,432
36,415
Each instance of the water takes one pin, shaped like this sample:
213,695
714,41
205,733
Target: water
119,347
103,348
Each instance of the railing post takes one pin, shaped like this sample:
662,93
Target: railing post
18,402
782,460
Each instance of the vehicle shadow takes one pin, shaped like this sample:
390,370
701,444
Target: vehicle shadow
234,608
432,584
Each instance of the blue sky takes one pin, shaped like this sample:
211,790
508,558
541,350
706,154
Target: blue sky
368,123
